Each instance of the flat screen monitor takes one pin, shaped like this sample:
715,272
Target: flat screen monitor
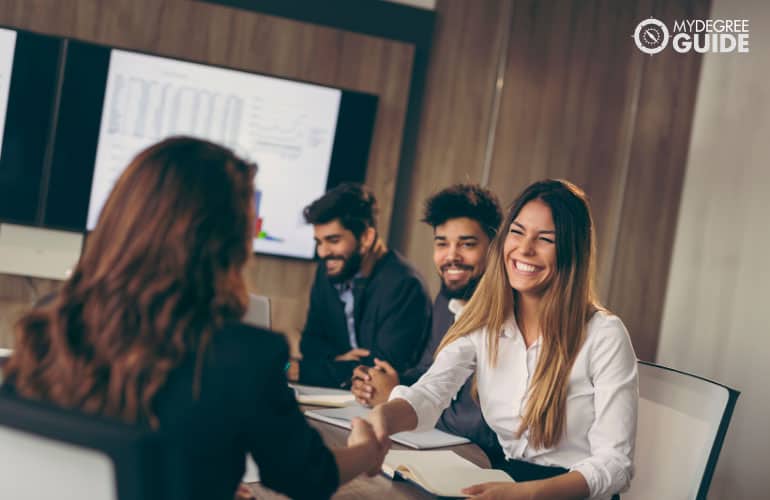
7,48
304,137
29,82
29,65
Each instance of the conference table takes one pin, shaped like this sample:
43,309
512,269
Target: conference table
376,487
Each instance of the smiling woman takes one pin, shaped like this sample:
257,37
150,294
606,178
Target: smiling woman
555,372
530,250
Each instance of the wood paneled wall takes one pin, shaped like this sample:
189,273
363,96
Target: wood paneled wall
570,89
578,101
455,117
241,39
653,188
573,98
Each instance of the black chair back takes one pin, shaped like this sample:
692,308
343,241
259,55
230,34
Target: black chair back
144,466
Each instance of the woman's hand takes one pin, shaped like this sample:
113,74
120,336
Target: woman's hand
362,434
501,491
244,492
379,422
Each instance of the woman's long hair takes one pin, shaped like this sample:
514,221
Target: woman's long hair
567,305
161,272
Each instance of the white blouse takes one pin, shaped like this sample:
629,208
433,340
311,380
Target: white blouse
602,399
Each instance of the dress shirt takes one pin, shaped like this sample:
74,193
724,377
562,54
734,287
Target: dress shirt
456,306
602,399
346,296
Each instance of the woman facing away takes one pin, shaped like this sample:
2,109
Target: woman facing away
556,373
147,331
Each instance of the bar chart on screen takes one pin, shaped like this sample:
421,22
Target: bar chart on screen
260,228
286,127
153,110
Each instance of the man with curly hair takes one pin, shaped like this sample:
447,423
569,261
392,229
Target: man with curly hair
465,219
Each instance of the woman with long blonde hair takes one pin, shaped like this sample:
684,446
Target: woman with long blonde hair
555,372
147,331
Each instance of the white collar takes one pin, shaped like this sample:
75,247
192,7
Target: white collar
511,330
456,306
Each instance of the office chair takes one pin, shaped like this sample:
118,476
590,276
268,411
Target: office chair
683,420
258,312
47,452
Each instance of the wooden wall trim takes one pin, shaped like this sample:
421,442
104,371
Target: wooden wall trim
494,115
372,17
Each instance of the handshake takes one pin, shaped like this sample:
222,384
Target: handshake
371,386
370,438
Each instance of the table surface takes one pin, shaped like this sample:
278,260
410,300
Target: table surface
378,486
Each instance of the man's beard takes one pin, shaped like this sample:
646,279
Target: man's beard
464,292
351,265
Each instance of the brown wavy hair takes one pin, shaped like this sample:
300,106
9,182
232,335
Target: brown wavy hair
160,274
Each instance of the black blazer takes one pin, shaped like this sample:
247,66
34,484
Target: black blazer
392,320
245,406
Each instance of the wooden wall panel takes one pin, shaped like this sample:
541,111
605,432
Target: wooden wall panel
230,37
455,117
567,109
579,101
653,188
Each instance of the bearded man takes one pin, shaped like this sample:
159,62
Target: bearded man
366,301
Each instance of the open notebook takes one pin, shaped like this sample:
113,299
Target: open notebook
433,438
322,396
441,472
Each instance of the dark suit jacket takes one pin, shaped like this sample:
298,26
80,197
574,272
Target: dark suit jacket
392,317
463,416
245,406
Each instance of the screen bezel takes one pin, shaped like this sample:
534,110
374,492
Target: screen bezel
62,198
32,94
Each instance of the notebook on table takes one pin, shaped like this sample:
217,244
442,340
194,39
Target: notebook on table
322,396
443,473
433,438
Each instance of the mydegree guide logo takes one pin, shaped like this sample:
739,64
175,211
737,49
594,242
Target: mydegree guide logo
722,36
